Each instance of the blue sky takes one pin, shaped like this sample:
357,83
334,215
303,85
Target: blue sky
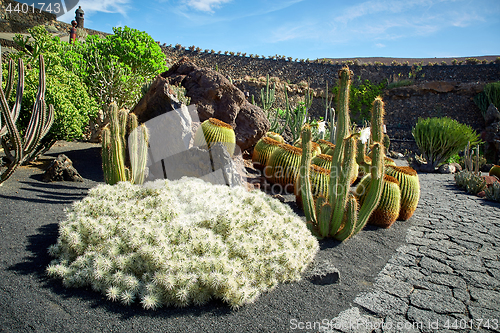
310,28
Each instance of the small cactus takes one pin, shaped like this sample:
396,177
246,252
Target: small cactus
275,136
214,130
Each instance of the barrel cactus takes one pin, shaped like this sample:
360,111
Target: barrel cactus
214,130
326,146
283,165
263,150
387,211
410,189
275,136
495,171
316,148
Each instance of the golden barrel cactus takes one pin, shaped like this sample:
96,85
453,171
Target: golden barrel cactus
283,165
263,150
410,189
214,130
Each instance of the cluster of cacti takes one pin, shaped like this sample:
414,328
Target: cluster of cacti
492,192
339,215
168,243
118,162
39,125
320,178
214,130
470,178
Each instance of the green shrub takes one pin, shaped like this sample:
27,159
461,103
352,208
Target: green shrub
65,90
489,95
179,243
440,138
361,97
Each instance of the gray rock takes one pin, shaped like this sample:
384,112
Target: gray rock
382,303
467,263
437,302
324,273
447,169
492,115
61,169
434,266
428,321
485,298
393,286
447,280
352,321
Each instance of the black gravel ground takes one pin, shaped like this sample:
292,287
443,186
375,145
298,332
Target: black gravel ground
30,211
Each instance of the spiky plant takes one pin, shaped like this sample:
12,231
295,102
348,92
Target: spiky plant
320,177
339,213
387,211
42,118
169,243
124,159
283,165
326,146
214,130
263,151
410,189
493,192
315,148
275,136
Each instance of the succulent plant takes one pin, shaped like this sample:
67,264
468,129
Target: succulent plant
326,146
263,150
473,183
168,243
495,171
214,130
118,162
338,215
493,192
387,211
410,189
316,149
39,124
275,136
283,165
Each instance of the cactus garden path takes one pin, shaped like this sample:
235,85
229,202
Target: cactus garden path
437,272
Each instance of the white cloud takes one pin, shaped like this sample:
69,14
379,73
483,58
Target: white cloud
380,45
206,5
104,6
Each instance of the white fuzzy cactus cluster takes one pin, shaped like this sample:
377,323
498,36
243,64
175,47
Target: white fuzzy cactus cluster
179,243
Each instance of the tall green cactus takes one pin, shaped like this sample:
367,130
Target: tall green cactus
40,122
116,163
338,216
267,95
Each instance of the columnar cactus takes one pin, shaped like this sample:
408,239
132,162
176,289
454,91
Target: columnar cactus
214,130
326,146
39,125
116,163
320,177
338,216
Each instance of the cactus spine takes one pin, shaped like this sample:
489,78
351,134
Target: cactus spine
114,147
214,130
338,216
39,125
